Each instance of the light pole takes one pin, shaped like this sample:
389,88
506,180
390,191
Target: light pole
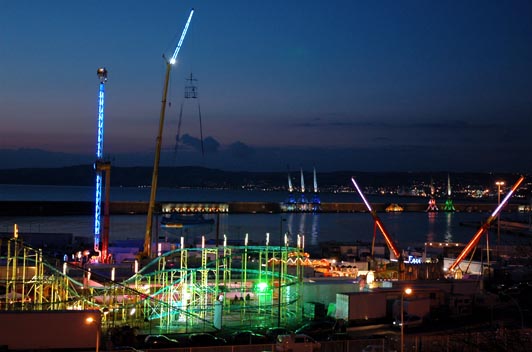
499,184
407,291
280,270
90,321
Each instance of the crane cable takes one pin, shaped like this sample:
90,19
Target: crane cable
178,135
201,130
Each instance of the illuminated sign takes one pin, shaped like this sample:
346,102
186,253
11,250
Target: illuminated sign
413,260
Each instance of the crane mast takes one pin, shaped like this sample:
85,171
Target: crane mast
148,240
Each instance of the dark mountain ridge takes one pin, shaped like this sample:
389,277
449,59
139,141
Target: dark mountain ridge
200,177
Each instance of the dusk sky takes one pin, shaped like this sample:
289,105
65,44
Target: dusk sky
339,85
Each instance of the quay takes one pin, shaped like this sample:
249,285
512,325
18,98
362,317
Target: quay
55,208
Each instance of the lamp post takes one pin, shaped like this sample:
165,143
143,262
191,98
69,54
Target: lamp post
407,291
499,184
280,270
90,321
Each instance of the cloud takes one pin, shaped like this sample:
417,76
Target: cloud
452,125
399,123
210,145
241,150
408,155
189,141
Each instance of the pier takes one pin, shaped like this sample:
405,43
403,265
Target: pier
56,208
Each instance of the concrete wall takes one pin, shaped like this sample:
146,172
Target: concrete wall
49,329
325,290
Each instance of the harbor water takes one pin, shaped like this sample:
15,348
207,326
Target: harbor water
406,228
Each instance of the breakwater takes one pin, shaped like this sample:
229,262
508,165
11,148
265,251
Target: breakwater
56,208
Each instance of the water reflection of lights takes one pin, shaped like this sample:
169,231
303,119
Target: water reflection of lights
301,222
431,221
436,218
448,236
315,229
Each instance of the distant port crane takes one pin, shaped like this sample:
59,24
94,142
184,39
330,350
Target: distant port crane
99,166
448,207
147,252
315,198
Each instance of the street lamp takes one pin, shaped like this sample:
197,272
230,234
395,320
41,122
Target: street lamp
499,184
406,291
280,270
90,321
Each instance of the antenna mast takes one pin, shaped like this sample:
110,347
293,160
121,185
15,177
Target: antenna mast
191,92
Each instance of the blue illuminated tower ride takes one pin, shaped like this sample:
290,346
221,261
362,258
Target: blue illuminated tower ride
100,166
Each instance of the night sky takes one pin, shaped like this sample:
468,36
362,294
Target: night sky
339,85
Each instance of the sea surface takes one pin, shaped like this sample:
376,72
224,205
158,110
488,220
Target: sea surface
407,228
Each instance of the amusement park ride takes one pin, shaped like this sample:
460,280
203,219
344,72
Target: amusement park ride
185,289
101,166
476,238
467,249
389,242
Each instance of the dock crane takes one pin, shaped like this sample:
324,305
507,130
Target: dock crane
389,242
476,238
99,166
148,240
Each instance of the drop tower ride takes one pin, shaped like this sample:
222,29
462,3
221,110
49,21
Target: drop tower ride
99,166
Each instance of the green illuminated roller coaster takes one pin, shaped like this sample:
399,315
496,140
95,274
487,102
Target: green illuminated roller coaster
183,290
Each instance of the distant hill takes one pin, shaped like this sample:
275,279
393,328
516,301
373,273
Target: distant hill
83,175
